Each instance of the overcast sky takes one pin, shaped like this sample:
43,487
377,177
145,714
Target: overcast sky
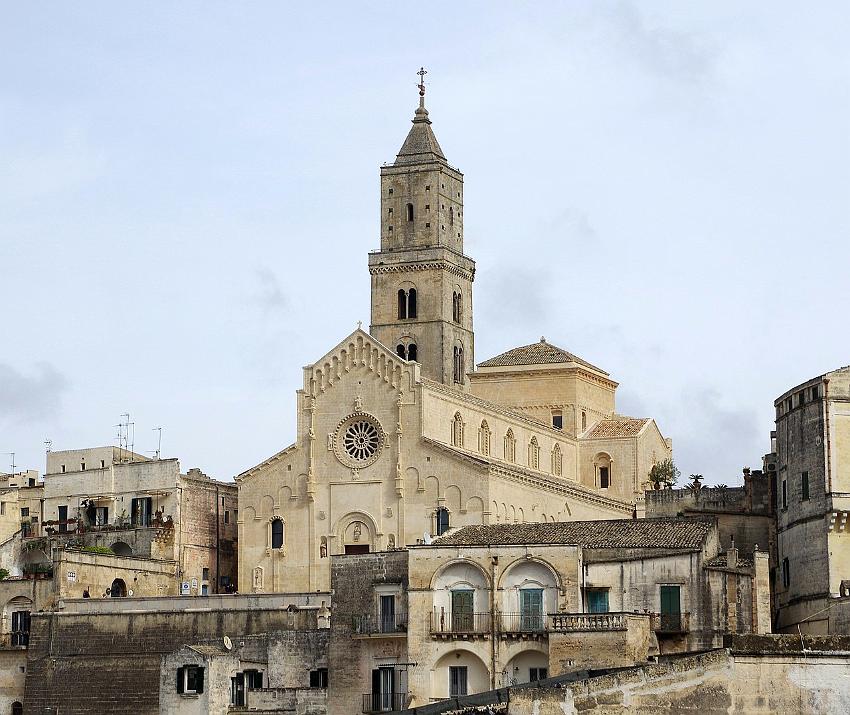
188,192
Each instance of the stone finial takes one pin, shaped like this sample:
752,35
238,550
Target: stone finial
732,557
542,338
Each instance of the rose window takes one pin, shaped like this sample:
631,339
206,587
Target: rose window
361,440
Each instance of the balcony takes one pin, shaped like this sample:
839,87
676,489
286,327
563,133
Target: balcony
14,640
384,702
671,623
588,622
460,625
384,624
523,625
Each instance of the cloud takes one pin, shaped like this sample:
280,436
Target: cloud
30,397
269,295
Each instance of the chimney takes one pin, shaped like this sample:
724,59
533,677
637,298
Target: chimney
732,557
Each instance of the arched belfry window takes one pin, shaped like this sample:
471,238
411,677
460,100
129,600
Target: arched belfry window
401,351
510,446
277,533
458,365
406,303
457,430
533,454
457,306
406,352
411,352
484,438
410,212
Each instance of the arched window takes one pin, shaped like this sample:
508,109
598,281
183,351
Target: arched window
786,573
457,430
410,212
454,307
510,446
484,438
533,454
277,533
457,307
458,364
406,303
400,351
557,460
411,303
411,352
442,520
603,470
583,421
402,304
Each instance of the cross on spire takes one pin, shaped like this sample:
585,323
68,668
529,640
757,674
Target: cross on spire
422,72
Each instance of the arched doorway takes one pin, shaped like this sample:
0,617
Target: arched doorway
121,548
118,588
17,708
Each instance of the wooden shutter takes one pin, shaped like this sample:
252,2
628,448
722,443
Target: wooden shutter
180,680
199,680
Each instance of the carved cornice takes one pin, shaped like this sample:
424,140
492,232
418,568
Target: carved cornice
424,266
266,463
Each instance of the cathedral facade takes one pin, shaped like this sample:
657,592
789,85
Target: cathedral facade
400,439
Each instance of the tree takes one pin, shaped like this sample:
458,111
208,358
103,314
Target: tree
664,473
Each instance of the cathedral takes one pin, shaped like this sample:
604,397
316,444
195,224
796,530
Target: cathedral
401,436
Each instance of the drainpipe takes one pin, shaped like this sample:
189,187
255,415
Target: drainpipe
494,643
826,436
217,561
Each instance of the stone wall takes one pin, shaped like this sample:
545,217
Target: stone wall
110,662
579,650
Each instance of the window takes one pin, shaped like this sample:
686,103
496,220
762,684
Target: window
815,392
597,600
557,419
319,678
25,511
533,454
20,628
784,494
451,216
804,486
141,510
410,212
457,306
411,352
384,690
387,614
63,469
190,680
402,304
442,520
786,572
390,192
277,533
205,574
102,463
406,303
604,477
458,364
535,674
101,515
63,519
484,438
557,461
205,590
82,466
510,446
406,353
583,421
400,351
226,516
457,680
671,608
2,508
411,303
457,430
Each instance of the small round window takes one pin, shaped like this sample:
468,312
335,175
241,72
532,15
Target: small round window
361,440
358,440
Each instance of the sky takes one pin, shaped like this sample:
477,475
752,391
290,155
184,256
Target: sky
188,192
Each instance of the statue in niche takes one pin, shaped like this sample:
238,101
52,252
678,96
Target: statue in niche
258,579
391,542
358,530
323,548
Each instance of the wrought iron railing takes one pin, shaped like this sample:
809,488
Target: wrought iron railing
523,623
449,622
384,702
671,622
15,639
570,622
381,623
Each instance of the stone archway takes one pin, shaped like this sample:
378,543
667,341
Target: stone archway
118,589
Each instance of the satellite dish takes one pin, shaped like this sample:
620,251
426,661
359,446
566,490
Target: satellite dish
130,592
228,644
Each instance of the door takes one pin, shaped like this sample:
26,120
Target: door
531,609
597,601
383,690
671,608
387,614
457,680
20,628
462,612
63,519
237,689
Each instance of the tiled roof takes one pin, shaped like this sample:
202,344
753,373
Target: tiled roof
615,534
541,353
617,428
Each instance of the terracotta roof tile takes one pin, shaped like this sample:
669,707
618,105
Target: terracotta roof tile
628,427
614,533
541,353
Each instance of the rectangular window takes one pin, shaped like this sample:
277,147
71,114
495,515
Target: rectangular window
597,600
82,466
804,486
535,674
557,419
101,516
604,479
63,469
226,517
63,519
387,614
815,392
141,510
205,590
2,508
102,464
458,682
319,678
205,574
25,511
190,680
784,494
786,573
20,628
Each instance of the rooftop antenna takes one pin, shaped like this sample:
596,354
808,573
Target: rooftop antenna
12,455
159,441
48,445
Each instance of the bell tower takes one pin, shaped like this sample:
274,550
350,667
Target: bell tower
421,280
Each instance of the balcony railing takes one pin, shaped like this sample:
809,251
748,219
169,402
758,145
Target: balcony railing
448,623
578,622
523,623
15,639
671,622
371,624
384,702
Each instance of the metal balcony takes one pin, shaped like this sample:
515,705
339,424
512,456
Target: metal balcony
522,623
383,623
384,702
446,623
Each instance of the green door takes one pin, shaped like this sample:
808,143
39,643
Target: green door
531,609
462,613
671,608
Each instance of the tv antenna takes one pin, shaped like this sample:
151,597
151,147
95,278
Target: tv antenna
48,445
158,441
12,455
